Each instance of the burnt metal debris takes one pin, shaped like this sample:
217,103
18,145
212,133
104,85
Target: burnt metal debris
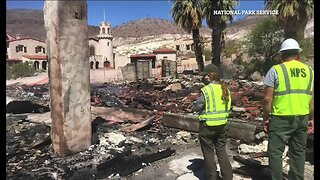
130,129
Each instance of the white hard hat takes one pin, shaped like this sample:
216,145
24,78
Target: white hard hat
290,44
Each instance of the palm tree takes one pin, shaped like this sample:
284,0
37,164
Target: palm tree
218,24
188,15
293,15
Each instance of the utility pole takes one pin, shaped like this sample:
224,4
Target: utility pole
68,52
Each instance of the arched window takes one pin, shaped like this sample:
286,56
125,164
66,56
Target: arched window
36,65
91,64
44,65
97,65
106,64
92,51
108,30
103,30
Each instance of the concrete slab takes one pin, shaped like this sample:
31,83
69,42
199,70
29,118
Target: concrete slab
182,165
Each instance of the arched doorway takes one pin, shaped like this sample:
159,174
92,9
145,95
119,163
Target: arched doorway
97,65
44,65
91,64
36,65
106,64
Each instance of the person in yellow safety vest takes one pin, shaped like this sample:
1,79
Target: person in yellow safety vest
213,107
289,100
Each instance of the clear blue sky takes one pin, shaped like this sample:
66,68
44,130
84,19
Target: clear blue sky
118,12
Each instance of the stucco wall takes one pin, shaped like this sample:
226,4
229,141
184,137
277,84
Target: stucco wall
171,56
121,61
96,46
30,44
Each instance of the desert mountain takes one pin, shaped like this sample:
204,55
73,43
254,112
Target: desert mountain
30,23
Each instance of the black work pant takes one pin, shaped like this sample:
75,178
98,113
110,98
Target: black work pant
213,139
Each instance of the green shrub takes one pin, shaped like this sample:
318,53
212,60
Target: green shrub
8,72
232,47
307,45
22,70
190,55
263,43
207,54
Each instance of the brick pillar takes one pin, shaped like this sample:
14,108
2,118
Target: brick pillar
68,54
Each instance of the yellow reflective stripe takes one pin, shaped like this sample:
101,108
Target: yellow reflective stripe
216,123
311,79
206,95
293,91
213,97
210,99
286,76
218,112
213,116
213,119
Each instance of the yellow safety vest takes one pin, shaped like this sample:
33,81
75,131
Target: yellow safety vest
216,110
293,95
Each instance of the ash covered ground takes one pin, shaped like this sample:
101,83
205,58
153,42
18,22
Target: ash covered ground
128,132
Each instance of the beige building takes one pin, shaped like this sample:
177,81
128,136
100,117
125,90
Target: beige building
184,45
165,54
26,49
121,60
101,48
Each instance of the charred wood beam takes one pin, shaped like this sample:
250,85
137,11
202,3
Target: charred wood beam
237,129
42,142
139,125
19,107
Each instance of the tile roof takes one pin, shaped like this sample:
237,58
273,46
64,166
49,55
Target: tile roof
36,57
24,38
142,55
93,38
164,50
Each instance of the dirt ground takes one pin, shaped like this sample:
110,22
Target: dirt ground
98,75
41,78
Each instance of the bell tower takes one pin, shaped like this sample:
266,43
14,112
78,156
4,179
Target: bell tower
105,43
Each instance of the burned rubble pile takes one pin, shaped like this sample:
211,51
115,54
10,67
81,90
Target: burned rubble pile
38,94
128,129
114,151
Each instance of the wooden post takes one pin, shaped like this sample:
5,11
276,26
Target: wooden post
68,54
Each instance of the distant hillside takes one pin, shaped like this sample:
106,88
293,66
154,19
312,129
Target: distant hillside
30,23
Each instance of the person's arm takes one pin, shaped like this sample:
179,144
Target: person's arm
311,116
198,105
271,83
267,102
311,111
267,105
